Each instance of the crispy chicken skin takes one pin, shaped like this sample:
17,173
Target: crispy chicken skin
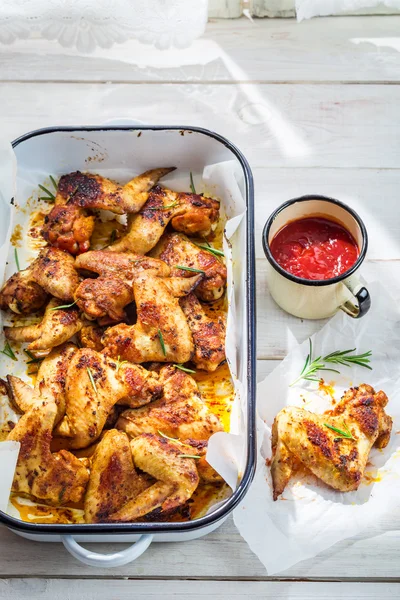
94,383
176,477
177,249
113,478
52,272
190,213
299,436
22,295
69,227
161,332
124,265
90,337
56,327
106,297
53,478
179,413
50,383
208,334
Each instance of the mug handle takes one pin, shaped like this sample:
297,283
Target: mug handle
362,303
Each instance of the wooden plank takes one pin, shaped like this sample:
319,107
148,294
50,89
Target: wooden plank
274,125
50,589
225,9
222,554
276,329
364,190
286,8
364,49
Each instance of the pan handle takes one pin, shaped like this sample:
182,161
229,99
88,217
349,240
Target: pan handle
118,559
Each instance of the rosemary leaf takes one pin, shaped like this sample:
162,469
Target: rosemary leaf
182,368
188,456
163,207
120,363
50,194
29,353
92,381
170,438
8,351
192,184
160,337
212,250
47,199
63,306
340,432
189,269
16,259
53,181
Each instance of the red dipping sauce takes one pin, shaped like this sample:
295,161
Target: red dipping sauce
314,248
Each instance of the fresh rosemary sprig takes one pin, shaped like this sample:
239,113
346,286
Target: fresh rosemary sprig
16,259
182,368
192,184
170,438
188,456
120,363
340,357
189,269
53,181
160,337
33,358
163,207
50,195
92,381
8,351
63,306
345,434
209,248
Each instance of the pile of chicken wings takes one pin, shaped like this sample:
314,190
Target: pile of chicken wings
120,331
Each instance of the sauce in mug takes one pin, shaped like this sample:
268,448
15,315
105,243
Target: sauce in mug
314,248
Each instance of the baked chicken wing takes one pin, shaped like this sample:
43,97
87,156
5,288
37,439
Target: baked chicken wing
190,213
208,334
57,326
302,437
70,227
179,413
94,383
52,478
105,297
176,477
161,332
52,272
49,386
114,480
176,249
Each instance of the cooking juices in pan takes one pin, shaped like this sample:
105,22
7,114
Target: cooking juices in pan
314,248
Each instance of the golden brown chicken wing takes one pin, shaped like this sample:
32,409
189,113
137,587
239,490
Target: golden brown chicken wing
57,326
90,337
21,294
176,477
94,383
114,480
52,478
179,413
50,383
176,249
208,334
52,272
338,459
190,213
161,332
105,298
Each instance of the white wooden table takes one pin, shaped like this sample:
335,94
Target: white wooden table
315,107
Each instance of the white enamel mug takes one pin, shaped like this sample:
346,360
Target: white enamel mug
317,299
